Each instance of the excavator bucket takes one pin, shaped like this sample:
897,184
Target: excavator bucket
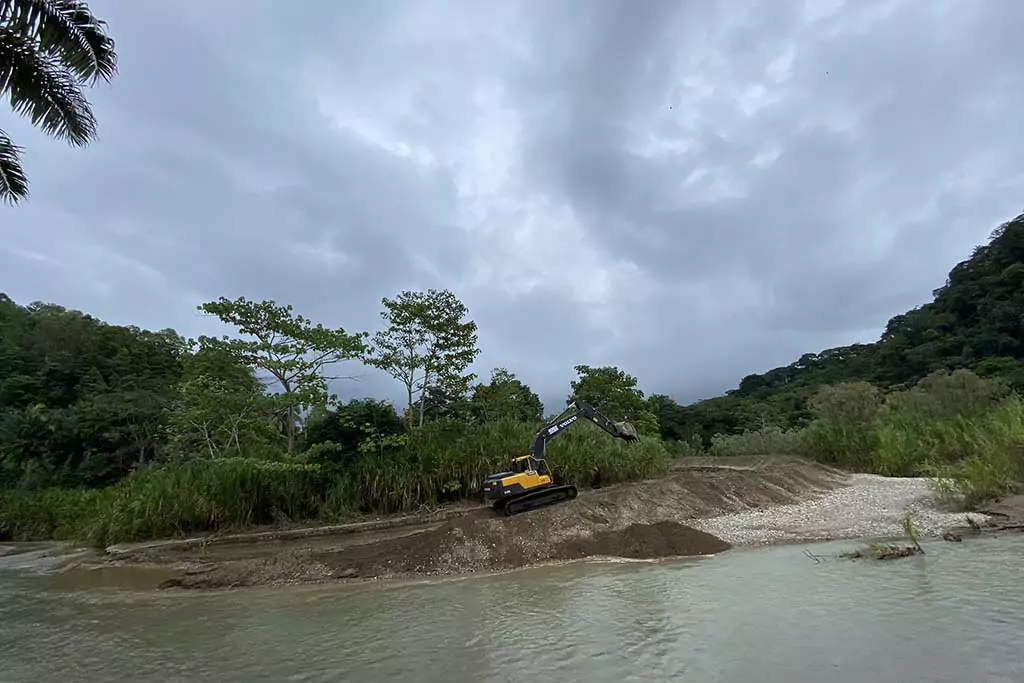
627,431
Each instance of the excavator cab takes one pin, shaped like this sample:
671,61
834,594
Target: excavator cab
528,463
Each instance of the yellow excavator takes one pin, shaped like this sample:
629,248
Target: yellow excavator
529,484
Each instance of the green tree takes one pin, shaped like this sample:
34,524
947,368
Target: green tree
221,409
351,424
289,348
49,51
505,397
81,401
425,343
614,393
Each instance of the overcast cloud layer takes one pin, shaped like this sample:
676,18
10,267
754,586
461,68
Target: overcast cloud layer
692,191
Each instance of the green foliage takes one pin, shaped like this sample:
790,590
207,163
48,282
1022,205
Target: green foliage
53,513
49,51
162,501
426,343
80,401
614,393
960,428
289,347
505,397
213,418
842,428
769,440
449,459
338,436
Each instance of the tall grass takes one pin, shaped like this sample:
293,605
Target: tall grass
765,441
964,431
441,461
446,460
169,500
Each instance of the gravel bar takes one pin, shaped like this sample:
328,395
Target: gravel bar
869,506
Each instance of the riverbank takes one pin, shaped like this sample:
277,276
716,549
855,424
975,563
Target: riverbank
703,506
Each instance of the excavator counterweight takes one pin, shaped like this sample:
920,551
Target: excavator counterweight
529,484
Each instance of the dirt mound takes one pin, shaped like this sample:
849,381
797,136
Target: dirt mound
645,541
464,546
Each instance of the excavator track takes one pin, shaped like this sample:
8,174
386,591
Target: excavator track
535,499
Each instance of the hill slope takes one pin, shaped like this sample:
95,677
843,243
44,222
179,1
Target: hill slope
975,321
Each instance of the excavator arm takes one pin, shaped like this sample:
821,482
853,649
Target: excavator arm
578,409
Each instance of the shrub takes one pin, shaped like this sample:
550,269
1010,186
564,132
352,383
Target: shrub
768,440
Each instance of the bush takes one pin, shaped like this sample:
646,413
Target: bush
770,440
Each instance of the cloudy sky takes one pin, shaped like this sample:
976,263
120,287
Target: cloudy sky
692,191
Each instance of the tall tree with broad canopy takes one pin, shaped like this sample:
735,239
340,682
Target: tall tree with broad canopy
425,343
614,393
49,50
289,348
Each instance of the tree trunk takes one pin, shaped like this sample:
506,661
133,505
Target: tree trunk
408,385
423,393
291,429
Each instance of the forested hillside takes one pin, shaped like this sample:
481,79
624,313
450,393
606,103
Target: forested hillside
976,321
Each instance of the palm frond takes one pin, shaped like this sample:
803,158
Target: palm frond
67,29
13,183
44,91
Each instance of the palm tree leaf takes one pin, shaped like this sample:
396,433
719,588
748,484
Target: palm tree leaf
66,28
13,183
43,90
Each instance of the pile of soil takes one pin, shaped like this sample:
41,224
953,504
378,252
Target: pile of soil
464,546
644,542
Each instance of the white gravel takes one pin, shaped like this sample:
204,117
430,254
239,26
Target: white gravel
870,506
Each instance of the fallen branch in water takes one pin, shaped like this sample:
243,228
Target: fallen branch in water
888,551
882,551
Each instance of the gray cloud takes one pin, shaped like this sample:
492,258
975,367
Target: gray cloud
691,191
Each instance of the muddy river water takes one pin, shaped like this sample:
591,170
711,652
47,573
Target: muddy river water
765,615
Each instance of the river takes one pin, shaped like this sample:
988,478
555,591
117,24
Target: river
766,615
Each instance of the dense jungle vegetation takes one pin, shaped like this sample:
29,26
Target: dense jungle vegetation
111,433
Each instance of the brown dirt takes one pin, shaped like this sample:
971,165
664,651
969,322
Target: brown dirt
643,520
